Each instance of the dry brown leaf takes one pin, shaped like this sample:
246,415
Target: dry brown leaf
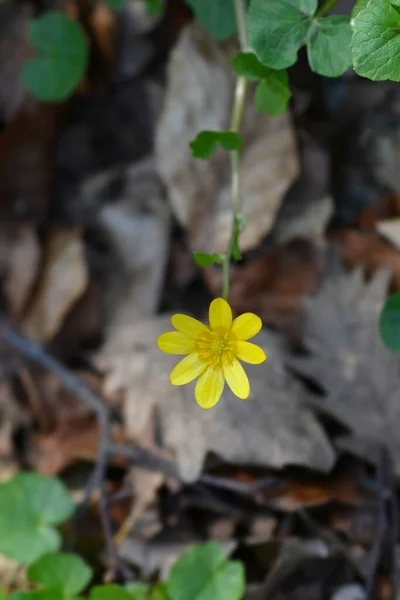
63,280
274,427
302,494
348,359
22,267
199,95
274,285
368,250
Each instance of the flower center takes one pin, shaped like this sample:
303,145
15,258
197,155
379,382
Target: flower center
212,346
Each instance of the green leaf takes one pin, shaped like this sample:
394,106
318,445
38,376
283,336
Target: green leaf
278,28
328,46
359,5
206,142
154,7
62,57
389,323
160,592
246,64
116,4
110,592
138,590
217,16
67,573
38,595
203,259
30,505
376,41
273,93
204,573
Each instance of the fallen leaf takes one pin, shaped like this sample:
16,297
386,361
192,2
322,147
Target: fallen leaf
274,284
274,427
22,265
63,280
304,494
390,230
349,361
366,249
201,80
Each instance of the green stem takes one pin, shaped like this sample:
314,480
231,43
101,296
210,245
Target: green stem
326,7
239,104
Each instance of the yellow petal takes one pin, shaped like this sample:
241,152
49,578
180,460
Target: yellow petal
175,342
187,369
220,315
209,387
188,326
236,378
250,353
246,326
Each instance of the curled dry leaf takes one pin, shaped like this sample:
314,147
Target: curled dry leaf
199,94
349,361
63,280
274,427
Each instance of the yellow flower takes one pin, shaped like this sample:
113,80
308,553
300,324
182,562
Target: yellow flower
213,352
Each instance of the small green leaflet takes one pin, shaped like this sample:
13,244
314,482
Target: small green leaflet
62,57
389,323
30,506
204,573
66,573
203,259
376,41
328,46
273,93
206,142
277,29
217,16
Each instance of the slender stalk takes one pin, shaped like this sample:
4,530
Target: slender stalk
239,104
326,7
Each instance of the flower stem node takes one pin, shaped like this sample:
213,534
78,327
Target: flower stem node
213,352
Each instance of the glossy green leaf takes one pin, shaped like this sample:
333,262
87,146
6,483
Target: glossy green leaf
206,142
278,29
138,590
109,592
204,573
328,46
273,93
376,41
30,505
38,595
203,259
67,573
389,323
61,60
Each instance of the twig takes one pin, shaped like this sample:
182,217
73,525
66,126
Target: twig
106,448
